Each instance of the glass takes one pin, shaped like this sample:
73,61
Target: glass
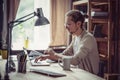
3,54
22,66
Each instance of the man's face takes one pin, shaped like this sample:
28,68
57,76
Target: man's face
70,25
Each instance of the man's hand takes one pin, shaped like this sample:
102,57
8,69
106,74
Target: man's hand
43,57
49,54
49,51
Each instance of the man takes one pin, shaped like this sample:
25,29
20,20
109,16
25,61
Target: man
83,48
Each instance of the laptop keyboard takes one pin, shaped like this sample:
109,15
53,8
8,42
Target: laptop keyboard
39,63
48,73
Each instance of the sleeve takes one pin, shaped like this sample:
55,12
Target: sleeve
85,48
69,50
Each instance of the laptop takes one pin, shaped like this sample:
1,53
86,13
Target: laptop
32,56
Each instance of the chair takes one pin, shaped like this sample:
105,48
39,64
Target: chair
102,69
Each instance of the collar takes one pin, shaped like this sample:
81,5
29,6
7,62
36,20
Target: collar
82,34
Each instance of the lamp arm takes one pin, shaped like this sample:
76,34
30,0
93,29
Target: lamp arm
21,20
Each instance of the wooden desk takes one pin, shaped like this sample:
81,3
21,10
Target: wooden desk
74,74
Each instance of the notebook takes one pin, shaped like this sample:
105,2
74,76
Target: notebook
32,55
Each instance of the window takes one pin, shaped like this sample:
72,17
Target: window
38,36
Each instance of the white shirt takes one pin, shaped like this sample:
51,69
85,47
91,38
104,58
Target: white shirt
76,44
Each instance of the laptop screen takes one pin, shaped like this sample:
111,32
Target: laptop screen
32,55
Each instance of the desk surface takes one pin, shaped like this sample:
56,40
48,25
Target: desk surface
74,74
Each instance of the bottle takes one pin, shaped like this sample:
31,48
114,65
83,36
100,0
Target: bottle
26,43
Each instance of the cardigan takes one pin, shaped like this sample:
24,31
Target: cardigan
84,52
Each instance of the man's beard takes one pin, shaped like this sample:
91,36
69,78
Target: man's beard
74,31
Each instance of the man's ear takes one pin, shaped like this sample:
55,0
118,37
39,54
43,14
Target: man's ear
79,23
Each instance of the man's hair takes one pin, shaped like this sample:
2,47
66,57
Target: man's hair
76,16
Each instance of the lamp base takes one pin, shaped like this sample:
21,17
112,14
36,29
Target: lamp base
11,66
6,77
0,76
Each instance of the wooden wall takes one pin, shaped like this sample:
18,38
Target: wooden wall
116,37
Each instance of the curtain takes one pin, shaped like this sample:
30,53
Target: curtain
10,10
1,23
59,35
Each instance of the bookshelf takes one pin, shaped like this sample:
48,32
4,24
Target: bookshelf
99,24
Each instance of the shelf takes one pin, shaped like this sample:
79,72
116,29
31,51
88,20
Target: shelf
83,2
101,17
103,57
102,39
99,3
99,20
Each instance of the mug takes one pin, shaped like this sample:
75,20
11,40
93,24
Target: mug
22,66
66,61
4,54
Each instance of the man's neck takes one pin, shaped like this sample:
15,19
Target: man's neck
79,32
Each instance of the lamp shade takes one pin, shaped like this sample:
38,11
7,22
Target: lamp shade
41,19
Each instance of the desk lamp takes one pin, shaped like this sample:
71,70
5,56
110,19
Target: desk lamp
10,66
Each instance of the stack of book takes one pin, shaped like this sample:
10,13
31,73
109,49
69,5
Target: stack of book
100,12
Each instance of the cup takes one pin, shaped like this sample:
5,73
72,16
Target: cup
4,54
65,63
22,66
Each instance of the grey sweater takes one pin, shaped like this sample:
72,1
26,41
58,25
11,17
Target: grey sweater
84,52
